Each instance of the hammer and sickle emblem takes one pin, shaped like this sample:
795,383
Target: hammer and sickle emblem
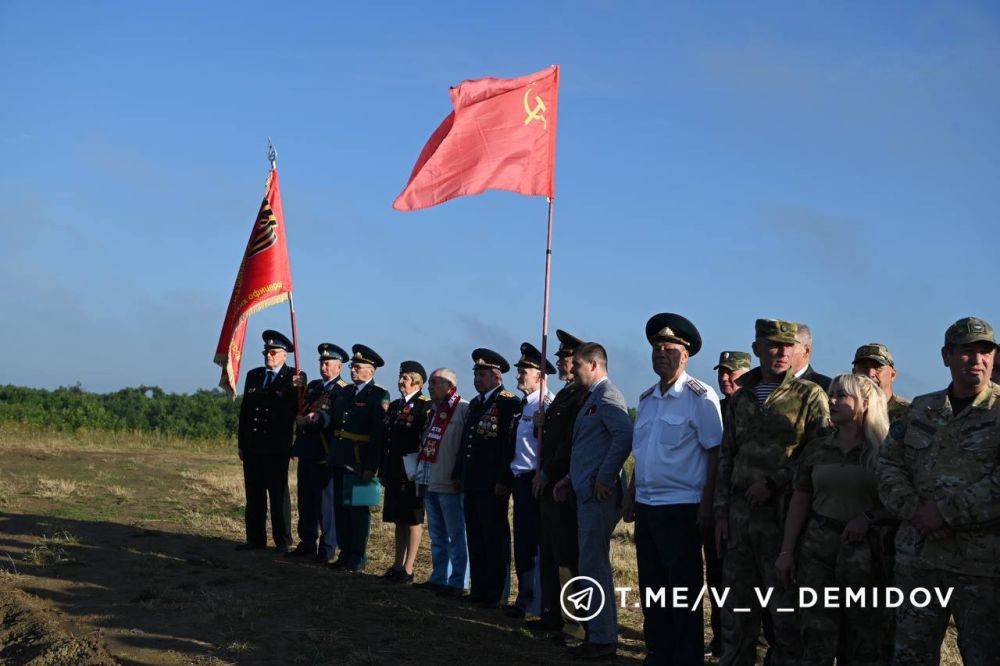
534,113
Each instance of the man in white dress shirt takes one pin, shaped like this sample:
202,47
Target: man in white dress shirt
678,429
527,515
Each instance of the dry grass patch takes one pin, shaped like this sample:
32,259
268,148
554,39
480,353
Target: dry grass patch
54,489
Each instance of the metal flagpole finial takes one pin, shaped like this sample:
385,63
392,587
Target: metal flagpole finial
272,154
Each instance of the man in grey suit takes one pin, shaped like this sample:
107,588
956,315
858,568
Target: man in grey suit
602,440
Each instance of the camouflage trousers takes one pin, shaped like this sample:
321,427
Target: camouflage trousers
748,563
851,635
975,604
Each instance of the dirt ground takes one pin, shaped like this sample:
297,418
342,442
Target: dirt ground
119,549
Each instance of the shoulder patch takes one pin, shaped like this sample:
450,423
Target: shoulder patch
648,392
507,394
341,383
697,387
898,430
423,398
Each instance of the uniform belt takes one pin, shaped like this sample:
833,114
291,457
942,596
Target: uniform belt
829,523
343,434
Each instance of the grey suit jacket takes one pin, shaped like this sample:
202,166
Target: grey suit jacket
602,440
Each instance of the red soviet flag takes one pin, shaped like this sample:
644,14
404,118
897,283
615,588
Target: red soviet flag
264,279
501,136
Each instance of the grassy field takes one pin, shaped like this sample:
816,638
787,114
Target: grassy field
118,548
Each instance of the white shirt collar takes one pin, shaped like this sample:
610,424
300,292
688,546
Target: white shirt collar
409,396
802,371
675,390
361,386
275,370
598,383
486,396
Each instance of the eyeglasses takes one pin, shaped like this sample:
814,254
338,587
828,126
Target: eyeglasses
273,352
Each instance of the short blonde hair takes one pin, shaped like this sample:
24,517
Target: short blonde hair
414,377
875,421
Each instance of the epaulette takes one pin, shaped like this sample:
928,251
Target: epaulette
507,394
648,392
341,383
423,398
697,387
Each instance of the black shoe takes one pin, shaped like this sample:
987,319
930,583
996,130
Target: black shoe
322,559
337,565
427,585
392,573
514,612
450,592
543,625
489,604
301,551
593,651
473,599
250,546
283,549
403,578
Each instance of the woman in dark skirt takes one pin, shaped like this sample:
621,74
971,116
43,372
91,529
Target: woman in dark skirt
405,421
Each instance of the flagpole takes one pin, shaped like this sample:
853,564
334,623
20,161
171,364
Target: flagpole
545,312
272,156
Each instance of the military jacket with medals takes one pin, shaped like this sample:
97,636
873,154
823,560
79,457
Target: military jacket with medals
487,447
404,422
933,454
267,415
355,427
309,444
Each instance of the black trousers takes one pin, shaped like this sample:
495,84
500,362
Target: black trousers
488,534
312,477
527,520
668,549
265,481
353,525
560,550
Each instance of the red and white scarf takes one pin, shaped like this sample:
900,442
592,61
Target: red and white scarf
438,425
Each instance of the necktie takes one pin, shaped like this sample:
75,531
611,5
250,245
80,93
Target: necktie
268,378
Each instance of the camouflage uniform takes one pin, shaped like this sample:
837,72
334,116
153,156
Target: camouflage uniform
842,488
878,352
897,407
759,444
952,459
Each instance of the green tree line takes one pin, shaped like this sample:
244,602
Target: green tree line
206,414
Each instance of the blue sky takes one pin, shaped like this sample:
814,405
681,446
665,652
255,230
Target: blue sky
834,164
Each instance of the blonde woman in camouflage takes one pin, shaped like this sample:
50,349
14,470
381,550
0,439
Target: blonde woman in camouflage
830,535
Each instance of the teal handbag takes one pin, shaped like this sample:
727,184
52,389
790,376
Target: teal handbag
359,493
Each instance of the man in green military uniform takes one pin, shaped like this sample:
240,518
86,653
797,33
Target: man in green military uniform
875,361
939,472
355,428
765,423
731,366
558,519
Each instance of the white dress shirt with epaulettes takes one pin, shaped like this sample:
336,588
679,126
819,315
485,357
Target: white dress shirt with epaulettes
673,433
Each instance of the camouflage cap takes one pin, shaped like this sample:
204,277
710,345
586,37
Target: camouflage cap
874,351
968,330
734,360
777,330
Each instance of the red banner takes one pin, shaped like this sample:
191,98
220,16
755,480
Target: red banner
264,279
501,136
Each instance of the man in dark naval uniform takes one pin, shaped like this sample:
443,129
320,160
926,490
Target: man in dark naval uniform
315,485
355,428
267,418
558,527
404,423
483,469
